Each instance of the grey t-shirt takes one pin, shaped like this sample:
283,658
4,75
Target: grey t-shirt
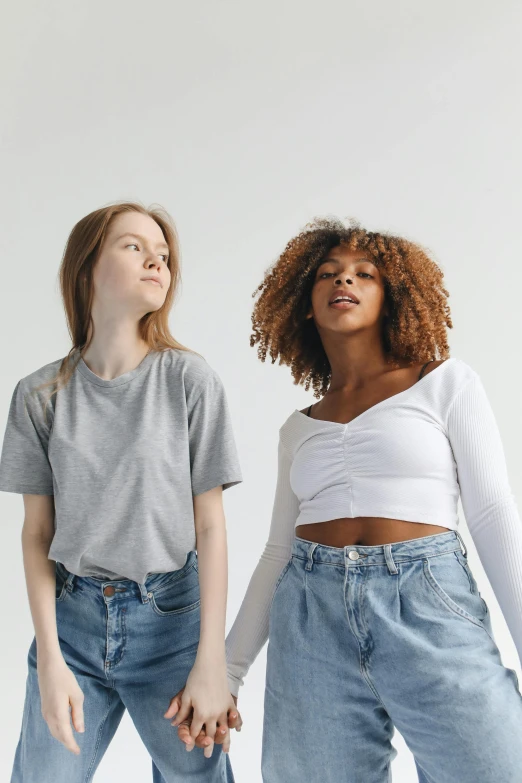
123,459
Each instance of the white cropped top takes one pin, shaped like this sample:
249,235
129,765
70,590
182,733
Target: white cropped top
407,457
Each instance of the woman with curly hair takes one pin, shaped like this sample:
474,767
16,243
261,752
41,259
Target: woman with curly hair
364,589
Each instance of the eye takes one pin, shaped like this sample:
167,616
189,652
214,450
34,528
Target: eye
132,244
165,257
327,274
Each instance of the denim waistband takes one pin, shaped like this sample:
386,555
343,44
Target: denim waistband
357,555
154,581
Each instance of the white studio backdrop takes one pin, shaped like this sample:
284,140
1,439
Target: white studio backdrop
245,120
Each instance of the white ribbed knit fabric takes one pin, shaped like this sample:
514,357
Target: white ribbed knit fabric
408,457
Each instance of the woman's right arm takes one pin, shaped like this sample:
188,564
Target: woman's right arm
250,629
58,685
26,470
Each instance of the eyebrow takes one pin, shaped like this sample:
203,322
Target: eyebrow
142,239
336,261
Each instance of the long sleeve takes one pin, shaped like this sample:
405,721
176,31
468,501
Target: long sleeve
487,500
250,629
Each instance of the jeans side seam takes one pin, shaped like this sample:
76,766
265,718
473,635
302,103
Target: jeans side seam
90,770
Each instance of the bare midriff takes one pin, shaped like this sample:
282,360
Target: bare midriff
366,531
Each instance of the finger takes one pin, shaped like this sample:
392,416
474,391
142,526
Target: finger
211,728
184,712
185,736
77,712
222,736
174,705
202,739
62,731
226,741
209,748
196,726
184,732
234,719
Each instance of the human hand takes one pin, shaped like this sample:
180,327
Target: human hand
59,689
222,735
204,702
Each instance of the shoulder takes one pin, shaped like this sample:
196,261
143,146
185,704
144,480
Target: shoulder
458,373
43,374
191,370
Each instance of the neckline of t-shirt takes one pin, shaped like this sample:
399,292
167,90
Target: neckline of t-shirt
392,398
126,377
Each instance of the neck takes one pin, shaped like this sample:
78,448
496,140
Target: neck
115,348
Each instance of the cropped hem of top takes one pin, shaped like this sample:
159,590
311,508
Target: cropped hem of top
123,458
410,457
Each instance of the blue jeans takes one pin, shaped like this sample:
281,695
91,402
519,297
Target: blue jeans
363,639
130,646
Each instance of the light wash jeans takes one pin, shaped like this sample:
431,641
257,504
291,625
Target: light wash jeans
363,639
130,646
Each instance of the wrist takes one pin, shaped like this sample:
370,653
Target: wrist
210,656
48,652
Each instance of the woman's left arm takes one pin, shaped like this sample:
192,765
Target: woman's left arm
206,691
214,467
488,502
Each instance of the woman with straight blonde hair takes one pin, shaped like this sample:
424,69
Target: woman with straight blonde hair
121,451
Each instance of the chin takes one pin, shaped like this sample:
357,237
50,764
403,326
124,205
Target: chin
152,304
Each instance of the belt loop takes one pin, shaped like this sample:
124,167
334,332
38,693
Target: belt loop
310,560
143,592
390,562
465,551
69,582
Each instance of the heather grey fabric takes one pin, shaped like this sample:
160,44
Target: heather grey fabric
123,459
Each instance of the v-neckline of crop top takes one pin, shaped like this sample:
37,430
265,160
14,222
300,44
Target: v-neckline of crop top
391,398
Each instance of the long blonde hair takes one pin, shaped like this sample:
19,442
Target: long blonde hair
81,252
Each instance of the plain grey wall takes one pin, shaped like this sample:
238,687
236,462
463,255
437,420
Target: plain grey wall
245,120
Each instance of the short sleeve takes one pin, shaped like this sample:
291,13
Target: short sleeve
24,464
214,460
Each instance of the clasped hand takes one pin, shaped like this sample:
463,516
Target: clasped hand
205,711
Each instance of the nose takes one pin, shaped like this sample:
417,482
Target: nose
340,282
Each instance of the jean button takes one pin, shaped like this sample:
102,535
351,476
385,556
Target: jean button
353,554
149,595
109,590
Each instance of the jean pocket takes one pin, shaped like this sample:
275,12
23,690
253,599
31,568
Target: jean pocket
450,578
61,582
280,578
177,596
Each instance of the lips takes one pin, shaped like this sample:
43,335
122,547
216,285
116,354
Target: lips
339,294
152,279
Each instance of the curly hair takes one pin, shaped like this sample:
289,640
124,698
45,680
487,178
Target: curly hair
413,283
